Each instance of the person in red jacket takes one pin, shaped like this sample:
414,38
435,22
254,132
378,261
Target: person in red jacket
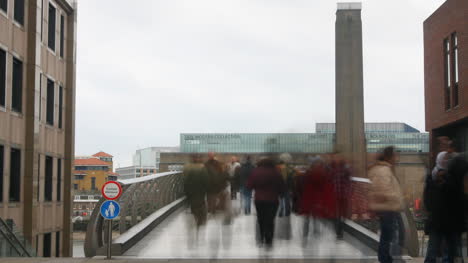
318,199
268,185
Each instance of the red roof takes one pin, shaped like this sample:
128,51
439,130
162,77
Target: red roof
102,154
90,162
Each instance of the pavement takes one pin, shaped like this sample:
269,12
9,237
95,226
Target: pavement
133,260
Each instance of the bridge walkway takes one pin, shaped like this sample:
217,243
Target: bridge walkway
175,238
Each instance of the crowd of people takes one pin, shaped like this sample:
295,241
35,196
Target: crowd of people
320,191
279,187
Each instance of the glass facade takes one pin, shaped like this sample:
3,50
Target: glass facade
320,142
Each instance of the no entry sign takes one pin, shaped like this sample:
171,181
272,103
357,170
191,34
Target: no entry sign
111,190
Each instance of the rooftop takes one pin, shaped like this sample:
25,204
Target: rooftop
102,154
350,6
90,162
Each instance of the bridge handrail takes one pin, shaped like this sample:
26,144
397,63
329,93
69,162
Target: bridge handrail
411,242
140,198
145,178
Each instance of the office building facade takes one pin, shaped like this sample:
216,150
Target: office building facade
37,116
446,73
404,137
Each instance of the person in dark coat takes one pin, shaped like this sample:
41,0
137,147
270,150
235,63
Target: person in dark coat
244,173
269,186
445,203
195,187
218,181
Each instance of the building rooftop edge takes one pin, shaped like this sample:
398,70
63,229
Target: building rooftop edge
349,6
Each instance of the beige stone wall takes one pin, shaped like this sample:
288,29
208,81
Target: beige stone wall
28,131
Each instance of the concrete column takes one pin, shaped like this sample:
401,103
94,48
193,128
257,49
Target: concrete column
350,136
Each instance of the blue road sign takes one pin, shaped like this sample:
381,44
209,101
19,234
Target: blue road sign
110,209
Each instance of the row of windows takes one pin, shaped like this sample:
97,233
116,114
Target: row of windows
451,71
18,12
306,143
14,188
17,91
16,82
93,183
18,16
91,168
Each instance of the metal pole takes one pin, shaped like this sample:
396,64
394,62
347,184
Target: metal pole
109,239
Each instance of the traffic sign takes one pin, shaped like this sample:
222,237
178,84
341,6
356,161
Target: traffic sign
111,190
110,209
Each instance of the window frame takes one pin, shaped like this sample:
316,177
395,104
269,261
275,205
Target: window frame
15,19
48,179
447,77
50,102
454,68
14,193
59,180
60,109
3,104
54,48
62,35
2,167
14,90
4,11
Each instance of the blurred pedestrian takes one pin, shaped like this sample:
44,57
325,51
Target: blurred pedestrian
246,194
318,201
217,184
386,199
268,185
195,187
287,172
341,174
233,170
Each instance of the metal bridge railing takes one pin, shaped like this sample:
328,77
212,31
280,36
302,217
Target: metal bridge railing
360,214
140,198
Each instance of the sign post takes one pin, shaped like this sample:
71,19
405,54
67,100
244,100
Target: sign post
110,209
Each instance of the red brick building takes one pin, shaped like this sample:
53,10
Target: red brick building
446,73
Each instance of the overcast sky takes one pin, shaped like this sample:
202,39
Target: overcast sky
149,70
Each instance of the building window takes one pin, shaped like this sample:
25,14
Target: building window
50,102
51,39
59,179
62,34
40,96
4,5
17,86
46,246
48,178
60,107
447,73
75,186
19,12
79,176
15,175
93,183
2,148
57,244
2,78
42,19
38,177
455,68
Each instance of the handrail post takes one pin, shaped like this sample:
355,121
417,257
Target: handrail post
109,239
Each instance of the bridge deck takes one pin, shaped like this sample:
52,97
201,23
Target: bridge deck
175,238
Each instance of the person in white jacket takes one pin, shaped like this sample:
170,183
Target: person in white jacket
386,199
